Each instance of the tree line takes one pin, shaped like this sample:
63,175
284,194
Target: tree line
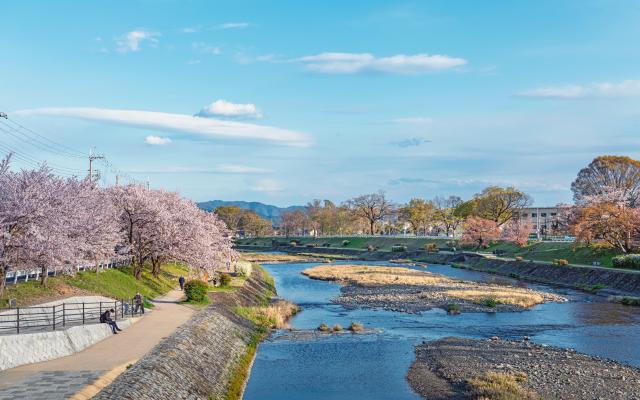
606,212
48,222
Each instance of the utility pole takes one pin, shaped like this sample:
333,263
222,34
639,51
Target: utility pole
91,158
148,183
117,176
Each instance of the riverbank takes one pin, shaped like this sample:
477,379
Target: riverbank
410,290
209,357
455,368
606,281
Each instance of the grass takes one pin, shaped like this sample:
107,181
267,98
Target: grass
273,258
241,370
496,386
272,316
597,286
323,327
117,283
625,300
356,327
453,308
355,242
491,296
376,275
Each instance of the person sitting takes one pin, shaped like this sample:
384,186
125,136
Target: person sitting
105,318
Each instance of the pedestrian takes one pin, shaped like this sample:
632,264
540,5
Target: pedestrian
139,304
105,318
181,280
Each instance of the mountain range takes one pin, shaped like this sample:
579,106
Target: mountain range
266,211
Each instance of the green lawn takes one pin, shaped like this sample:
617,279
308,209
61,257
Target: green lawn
118,283
539,251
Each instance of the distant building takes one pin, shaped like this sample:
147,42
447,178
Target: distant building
547,221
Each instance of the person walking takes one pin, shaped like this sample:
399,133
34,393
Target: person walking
105,318
139,303
181,280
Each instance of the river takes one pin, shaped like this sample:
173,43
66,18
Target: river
374,366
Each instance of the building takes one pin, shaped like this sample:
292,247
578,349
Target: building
547,221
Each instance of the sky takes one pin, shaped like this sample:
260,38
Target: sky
286,101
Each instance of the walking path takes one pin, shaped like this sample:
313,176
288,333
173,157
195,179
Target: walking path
86,372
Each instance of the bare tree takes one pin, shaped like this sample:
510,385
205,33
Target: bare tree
372,208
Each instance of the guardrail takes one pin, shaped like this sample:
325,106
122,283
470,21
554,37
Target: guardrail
14,277
60,316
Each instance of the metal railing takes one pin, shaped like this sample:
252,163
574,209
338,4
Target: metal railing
61,316
14,277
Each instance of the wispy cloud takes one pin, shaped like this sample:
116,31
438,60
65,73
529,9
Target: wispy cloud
267,186
414,120
412,142
157,140
233,25
219,169
210,128
205,48
132,41
354,63
223,108
626,88
240,169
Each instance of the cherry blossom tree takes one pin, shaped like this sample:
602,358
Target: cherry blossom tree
480,231
516,232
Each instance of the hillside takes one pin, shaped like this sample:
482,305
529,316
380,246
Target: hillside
266,211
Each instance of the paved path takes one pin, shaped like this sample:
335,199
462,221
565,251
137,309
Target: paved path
63,377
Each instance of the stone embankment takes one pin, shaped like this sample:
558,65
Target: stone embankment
198,360
447,368
615,281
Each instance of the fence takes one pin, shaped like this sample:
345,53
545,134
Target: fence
60,316
14,277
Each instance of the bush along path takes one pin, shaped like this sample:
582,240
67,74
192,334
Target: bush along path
210,356
85,373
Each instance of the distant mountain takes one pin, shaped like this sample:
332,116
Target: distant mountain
267,211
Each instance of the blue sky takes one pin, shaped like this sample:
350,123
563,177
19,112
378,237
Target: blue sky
286,101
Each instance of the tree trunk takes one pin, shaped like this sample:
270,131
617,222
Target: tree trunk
155,267
44,275
3,278
371,224
137,270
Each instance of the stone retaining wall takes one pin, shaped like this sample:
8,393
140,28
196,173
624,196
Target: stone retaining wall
197,360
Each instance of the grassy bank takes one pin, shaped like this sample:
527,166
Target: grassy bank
118,283
537,251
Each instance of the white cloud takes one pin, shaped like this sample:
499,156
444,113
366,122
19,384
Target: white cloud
223,108
604,89
267,186
189,30
132,41
233,25
353,63
240,169
206,48
413,120
210,128
157,140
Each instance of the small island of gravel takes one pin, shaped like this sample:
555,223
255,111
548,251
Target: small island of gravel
410,290
456,368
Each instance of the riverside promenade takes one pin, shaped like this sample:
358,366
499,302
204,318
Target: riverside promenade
83,374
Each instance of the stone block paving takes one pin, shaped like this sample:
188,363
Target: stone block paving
50,385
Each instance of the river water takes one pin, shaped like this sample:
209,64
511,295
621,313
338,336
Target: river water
374,366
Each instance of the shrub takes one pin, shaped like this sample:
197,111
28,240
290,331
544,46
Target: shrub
453,308
196,290
431,247
630,261
225,279
519,258
371,247
630,301
496,386
597,286
560,261
398,248
323,327
337,328
491,302
345,242
326,245
514,275
356,327
293,243
243,268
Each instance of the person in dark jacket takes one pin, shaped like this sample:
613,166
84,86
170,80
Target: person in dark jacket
105,318
138,303
181,280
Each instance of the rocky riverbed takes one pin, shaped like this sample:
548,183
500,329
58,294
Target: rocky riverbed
451,368
409,290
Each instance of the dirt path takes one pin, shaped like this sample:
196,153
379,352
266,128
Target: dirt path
101,361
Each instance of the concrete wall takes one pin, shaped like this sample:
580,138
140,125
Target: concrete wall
29,348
